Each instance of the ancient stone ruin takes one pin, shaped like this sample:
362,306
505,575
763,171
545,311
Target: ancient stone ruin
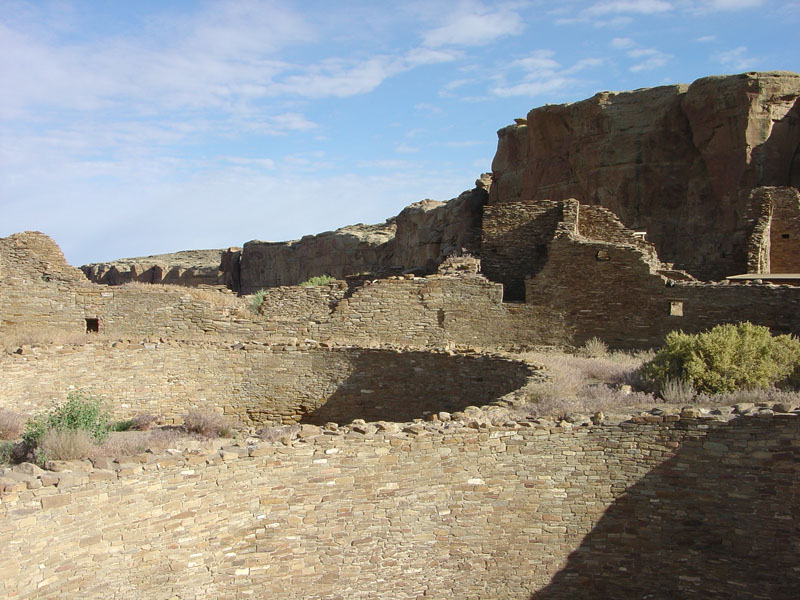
401,472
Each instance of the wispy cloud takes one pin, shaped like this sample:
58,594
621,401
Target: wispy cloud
475,25
540,73
642,7
645,59
737,58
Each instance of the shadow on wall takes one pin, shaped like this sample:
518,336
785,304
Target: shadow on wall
720,520
402,386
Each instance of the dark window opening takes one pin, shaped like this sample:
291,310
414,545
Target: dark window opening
92,325
785,236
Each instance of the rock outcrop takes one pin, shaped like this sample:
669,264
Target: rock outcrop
418,239
189,267
676,161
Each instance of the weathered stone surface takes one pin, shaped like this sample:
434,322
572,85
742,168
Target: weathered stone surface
419,238
189,267
676,161
534,513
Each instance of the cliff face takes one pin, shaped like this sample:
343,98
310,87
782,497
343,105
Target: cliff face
419,238
189,267
677,161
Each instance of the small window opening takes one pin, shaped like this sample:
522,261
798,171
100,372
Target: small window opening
676,309
785,236
603,255
92,325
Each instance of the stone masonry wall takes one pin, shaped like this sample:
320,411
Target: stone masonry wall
255,383
785,231
614,293
692,508
514,242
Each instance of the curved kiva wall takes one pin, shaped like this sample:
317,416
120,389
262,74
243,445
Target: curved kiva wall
685,509
258,382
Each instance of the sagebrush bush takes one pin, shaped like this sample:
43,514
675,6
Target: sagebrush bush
318,280
677,391
726,358
206,424
6,453
64,444
80,412
594,348
11,424
257,301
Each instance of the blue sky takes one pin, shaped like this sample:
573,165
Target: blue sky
130,128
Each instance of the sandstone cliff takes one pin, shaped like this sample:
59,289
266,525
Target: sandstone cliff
188,267
677,161
418,239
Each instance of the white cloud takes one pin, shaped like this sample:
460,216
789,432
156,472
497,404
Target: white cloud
733,4
706,39
406,149
645,59
541,74
622,43
643,7
648,59
477,27
737,59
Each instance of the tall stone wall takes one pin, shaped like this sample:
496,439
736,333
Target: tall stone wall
676,161
255,383
615,293
683,509
514,242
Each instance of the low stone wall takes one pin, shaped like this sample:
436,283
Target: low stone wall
688,508
255,383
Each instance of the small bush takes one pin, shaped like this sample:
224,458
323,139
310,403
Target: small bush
677,391
206,424
143,422
64,444
318,280
257,301
726,358
80,412
11,424
126,425
595,348
6,453
156,440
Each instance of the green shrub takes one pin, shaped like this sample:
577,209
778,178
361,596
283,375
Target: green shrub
726,358
257,301
318,280
80,412
125,425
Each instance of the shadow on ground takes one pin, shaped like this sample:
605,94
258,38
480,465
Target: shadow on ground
402,386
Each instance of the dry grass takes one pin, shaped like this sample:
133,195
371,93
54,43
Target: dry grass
209,425
65,444
136,442
755,396
678,391
11,424
14,336
279,433
579,384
